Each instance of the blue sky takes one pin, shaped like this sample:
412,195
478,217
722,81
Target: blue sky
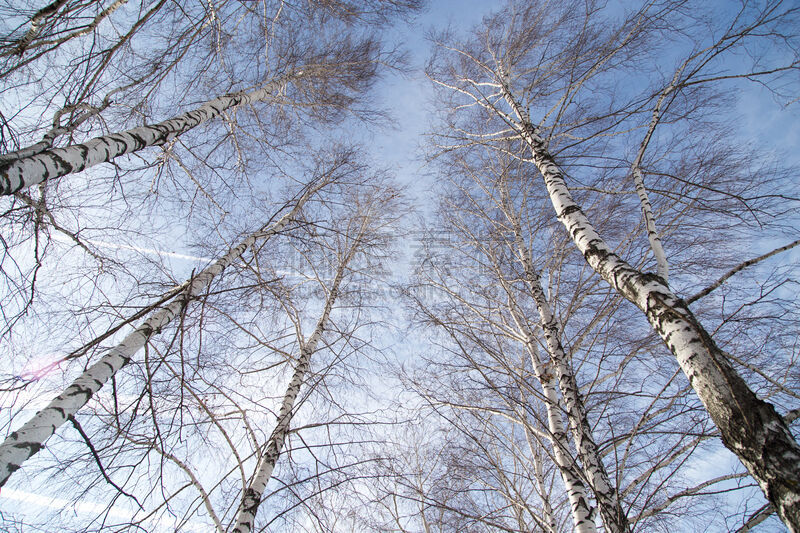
407,98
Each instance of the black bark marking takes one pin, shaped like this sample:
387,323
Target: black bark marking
78,389
569,210
61,164
31,447
84,150
140,142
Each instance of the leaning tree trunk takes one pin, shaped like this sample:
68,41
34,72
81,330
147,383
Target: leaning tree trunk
581,508
750,427
21,173
56,131
30,438
251,499
608,503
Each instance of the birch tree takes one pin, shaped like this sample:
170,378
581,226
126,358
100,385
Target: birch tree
26,170
354,232
473,288
210,377
30,438
174,58
531,69
338,250
77,72
608,502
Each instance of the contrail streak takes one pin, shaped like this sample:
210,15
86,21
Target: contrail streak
149,251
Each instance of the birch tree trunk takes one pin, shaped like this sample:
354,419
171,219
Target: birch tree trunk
251,499
252,496
26,171
57,130
547,508
30,438
581,508
638,179
608,503
750,427
41,16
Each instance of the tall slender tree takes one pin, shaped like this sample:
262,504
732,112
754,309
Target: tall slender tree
534,59
30,438
355,237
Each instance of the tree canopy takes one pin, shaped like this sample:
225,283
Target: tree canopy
225,306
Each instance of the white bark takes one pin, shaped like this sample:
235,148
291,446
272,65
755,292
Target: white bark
662,265
78,33
581,508
252,496
549,518
251,499
57,130
638,179
762,514
24,172
30,438
750,427
605,493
